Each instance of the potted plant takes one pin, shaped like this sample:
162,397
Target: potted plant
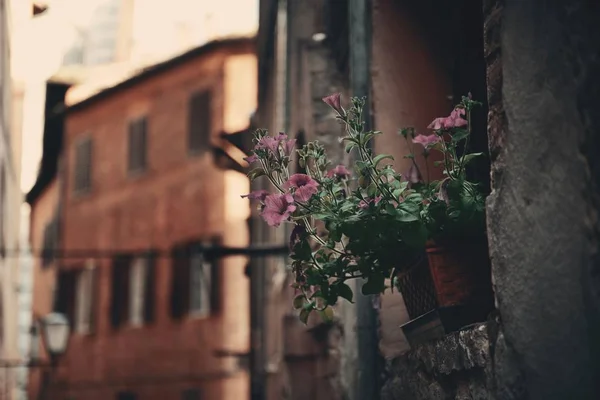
373,224
454,215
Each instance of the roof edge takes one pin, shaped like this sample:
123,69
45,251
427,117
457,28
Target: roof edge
161,67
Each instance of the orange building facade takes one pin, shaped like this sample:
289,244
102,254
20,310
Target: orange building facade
148,187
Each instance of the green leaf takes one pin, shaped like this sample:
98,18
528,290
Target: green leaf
375,285
299,302
326,314
345,292
390,209
459,135
404,216
382,157
469,157
304,314
255,173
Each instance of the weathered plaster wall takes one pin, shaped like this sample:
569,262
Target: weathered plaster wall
544,80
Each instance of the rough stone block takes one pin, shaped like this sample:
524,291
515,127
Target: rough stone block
454,367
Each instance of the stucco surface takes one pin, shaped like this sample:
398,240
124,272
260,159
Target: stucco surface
542,214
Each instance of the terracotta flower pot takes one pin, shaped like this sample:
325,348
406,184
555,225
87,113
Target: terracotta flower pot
460,271
454,274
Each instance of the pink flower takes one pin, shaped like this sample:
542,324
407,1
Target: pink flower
412,175
288,146
268,143
334,101
259,195
251,158
426,141
278,208
304,186
438,123
365,203
454,120
339,172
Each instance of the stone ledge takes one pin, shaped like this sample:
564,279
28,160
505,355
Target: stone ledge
453,367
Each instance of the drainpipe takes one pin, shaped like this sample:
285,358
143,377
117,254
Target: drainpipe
367,385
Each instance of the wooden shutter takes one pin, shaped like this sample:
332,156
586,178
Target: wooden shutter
200,121
215,282
137,145
65,299
95,277
180,276
83,165
150,288
119,310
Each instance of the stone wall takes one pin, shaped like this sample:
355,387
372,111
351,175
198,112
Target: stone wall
543,77
455,367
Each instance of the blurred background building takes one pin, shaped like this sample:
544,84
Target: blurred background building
10,199
87,46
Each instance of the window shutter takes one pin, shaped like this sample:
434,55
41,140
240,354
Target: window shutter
83,165
215,283
150,286
180,291
120,291
200,121
137,145
65,300
95,288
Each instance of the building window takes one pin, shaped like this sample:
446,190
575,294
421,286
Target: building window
190,394
200,122
137,145
126,396
83,165
132,299
195,281
86,294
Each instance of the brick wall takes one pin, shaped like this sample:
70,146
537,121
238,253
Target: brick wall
178,198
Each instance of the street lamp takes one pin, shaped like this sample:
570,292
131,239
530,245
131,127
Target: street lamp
55,332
